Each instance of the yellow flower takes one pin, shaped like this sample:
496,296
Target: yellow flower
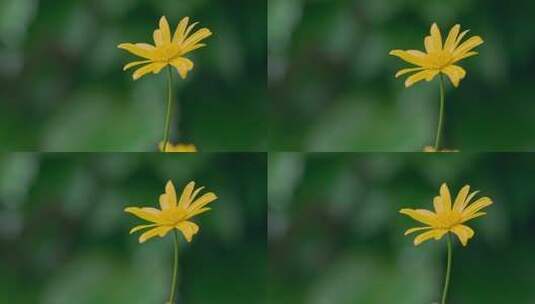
177,148
438,57
448,218
166,49
172,215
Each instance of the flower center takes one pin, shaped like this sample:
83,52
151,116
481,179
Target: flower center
440,59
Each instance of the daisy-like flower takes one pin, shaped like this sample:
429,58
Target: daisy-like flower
177,148
174,214
448,217
167,49
439,57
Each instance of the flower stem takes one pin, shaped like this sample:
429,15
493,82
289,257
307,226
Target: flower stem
169,108
441,114
175,271
448,271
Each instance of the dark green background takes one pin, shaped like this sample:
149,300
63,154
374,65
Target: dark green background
332,82
64,235
335,234
62,87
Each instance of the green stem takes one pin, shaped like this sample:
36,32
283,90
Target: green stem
448,271
169,108
441,114
175,271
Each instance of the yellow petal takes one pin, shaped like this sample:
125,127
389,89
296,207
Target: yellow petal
185,197
134,63
165,31
437,234
188,229
197,212
179,36
446,197
191,43
158,39
455,73
140,49
409,231
140,227
461,198
476,206
146,213
463,232
468,45
464,56
154,67
182,65
439,205
411,56
171,193
421,215
473,216
204,200
405,71
449,45
436,37
158,231
428,75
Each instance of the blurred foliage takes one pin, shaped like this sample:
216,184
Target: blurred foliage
332,85
335,234
63,89
64,235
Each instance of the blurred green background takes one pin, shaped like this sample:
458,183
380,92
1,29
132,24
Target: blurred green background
332,85
64,236
335,234
62,87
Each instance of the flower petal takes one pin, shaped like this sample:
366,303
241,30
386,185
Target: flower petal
180,32
165,31
141,227
436,37
461,198
188,229
146,213
191,43
185,197
154,67
405,71
421,215
464,56
463,232
455,73
182,65
140,49
446,196
197,212
476,206
428,75
437,234
409,231
171,194
411,56
468,45
473,216
202,201
452,38
158,231
135,63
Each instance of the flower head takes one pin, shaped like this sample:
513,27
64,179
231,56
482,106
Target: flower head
167,50
177,148
174,214
448,217
439,57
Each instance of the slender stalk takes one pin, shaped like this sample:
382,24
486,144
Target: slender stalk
441,114
169,108
448,271
175,271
